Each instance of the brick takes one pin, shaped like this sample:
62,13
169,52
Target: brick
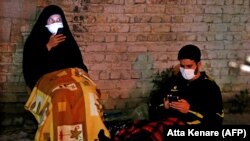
125,75
180,28
139,1
155,9
218,27
142,37
5,30
113,58
6,58
121,38
231,9
161,2
160,28
118,18
110,104
100,28
110,38
135,75
121,65
158,48
140,28
199,28
120,28
95,48
166,18
96,8
114,94
104,75
167,37
106,84
139,18
174,10
115,75
156,19
135,9
137,48
177,19
100,66
125,84
94,74
121,2
213,10
118,9
153,38
104,95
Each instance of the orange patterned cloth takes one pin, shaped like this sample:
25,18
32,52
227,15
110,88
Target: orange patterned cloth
66,107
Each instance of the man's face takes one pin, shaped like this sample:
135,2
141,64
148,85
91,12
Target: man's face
190,64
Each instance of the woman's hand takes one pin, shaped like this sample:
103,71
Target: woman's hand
54,40
181,105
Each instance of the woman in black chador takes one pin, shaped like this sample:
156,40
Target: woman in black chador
64,99
46,50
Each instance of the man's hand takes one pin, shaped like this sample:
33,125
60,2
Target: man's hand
54,40
182,106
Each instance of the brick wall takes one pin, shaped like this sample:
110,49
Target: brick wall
123,42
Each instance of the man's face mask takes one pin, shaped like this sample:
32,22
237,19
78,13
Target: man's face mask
54,27
187,74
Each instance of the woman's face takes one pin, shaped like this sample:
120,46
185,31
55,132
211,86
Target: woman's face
55,18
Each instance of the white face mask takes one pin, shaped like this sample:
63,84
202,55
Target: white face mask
188,74
54,27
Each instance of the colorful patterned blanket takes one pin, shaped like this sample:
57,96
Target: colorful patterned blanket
66,107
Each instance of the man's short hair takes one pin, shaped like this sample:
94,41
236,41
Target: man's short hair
190,52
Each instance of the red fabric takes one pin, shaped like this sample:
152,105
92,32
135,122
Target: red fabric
153,128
